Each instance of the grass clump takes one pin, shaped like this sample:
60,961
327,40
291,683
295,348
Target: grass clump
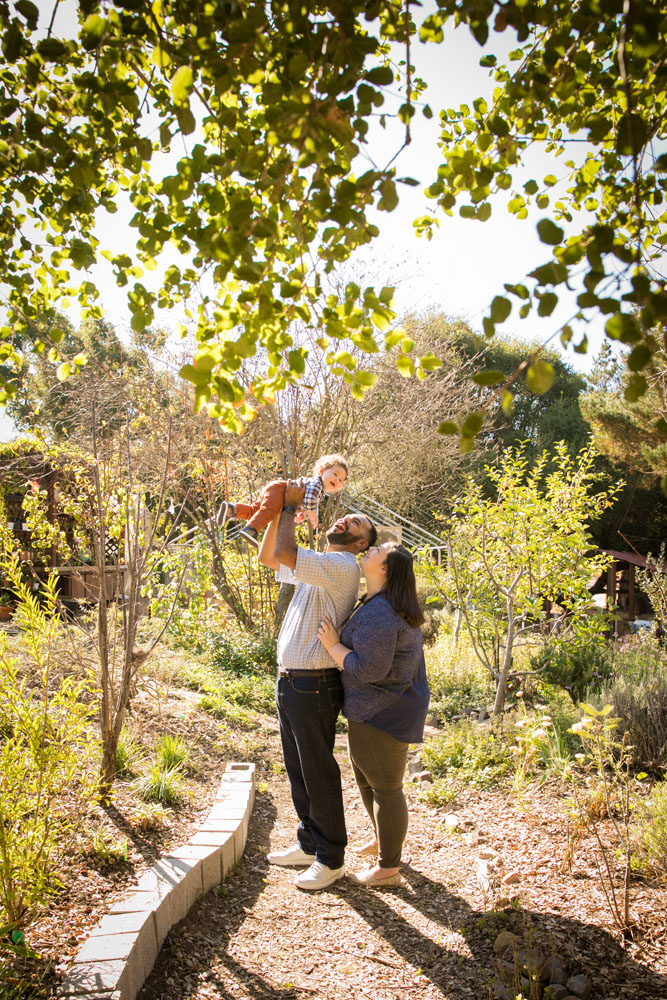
130,755
440,793
172,751
473,755
109,849
160,785
149,816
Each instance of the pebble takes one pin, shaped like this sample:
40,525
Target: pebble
511,878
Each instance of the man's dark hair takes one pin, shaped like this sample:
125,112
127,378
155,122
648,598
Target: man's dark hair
401,586
372,534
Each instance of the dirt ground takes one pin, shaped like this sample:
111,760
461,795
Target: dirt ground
259,937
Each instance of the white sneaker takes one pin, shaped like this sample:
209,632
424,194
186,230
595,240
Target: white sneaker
292,856
318,876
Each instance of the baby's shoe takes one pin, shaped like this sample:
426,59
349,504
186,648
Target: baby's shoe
250,536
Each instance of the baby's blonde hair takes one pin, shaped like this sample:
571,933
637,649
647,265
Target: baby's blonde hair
327,461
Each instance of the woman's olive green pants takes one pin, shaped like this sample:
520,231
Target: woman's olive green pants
378,761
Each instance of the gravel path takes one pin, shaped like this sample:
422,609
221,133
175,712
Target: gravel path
259,937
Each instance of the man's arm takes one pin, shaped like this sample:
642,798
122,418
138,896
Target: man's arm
267,551
286,548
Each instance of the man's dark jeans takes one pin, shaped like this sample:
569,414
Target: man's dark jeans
308,708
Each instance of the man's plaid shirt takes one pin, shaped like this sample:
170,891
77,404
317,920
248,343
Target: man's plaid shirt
327,585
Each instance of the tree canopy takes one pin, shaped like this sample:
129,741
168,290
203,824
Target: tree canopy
272,102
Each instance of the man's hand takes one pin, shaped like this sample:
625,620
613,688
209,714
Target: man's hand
294,494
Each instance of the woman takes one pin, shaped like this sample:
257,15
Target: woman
386,697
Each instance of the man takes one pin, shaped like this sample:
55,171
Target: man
309,691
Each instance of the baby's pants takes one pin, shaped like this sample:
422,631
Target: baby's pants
269,503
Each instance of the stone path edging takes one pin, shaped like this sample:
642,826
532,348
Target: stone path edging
117,958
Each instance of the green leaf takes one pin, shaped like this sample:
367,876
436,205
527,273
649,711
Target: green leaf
297,361
52,49
63,371
92,30
635,388
623,327
639,357
29,11
489,377
540,377
381,76
500,309
507,404
405,365
549,232
448,427
473,423
195,375
181,84
631,135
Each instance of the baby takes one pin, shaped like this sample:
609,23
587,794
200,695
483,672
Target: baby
329,476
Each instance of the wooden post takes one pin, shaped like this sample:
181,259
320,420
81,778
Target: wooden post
631,592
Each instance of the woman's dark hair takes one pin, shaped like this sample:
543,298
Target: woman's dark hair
401,586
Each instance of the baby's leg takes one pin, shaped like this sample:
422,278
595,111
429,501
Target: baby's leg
246,510
271,501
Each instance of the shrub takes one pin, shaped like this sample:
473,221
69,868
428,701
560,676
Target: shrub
578,669
47,753
172,751
475,755
653,829
158,785
243,652
638,695
440,793
457,680
130,754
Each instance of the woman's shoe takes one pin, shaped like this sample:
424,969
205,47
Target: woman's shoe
371,847
373,880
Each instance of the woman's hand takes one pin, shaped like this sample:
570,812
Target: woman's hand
327,634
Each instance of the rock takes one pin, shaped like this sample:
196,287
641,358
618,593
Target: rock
504,941
532,960
423,776
415,765
511,878
580,986
468,711
452,821
504,992
482,715
554,972
488,853
557,992
472,838
482,873
433,720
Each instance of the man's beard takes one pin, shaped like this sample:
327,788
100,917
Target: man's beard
341,537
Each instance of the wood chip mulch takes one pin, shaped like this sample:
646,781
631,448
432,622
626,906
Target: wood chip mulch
259,937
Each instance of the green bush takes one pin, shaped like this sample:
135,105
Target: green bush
653,829
474,755
578,669
243,652
440,793
171,751
456,678
638,694
48,757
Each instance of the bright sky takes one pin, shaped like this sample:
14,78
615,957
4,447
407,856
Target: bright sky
466,263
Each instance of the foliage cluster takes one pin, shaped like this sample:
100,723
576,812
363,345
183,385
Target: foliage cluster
471,754
638,695
580,669
457,679
48,753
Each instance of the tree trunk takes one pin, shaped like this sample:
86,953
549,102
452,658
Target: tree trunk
283,599
501,690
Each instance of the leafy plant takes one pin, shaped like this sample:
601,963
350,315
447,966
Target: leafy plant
149,816
47,751
243,651
160,785
107,847
653,829
580,668
130,754
440,793
172,752
609,792
474,755
511,555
